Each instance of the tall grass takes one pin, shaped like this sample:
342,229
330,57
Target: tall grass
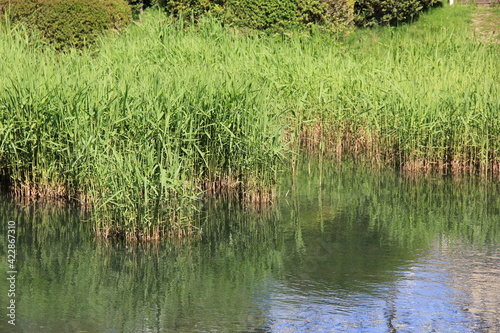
139,127
421,97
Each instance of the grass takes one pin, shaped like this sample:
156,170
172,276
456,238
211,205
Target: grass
141,126
420,96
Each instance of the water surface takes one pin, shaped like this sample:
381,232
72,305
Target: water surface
341,251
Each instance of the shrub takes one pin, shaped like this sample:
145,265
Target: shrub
335,16
329,15
389,12
65,23
263,14
256,14
193,8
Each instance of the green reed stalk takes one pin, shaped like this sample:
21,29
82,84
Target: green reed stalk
139,127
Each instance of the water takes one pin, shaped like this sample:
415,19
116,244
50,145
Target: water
342,251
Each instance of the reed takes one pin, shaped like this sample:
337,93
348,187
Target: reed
142,125
417,97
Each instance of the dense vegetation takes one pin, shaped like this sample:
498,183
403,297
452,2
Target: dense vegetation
68,23
331,15
334,16
78,23
385,12
139,127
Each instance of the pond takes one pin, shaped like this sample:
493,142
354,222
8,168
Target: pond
342,250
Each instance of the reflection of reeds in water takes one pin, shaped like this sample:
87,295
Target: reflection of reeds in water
143,125
402,210
314,234
69,277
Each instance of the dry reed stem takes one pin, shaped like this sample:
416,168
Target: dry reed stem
367,146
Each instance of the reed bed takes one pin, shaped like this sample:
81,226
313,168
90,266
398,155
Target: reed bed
420,97
141,126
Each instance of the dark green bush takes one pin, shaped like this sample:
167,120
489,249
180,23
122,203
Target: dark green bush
389,12
263,14
256,14
68,23
193,8
328,15
335,16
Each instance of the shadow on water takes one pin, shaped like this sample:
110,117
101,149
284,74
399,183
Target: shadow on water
340,251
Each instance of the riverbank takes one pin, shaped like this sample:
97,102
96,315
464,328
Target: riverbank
139,127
